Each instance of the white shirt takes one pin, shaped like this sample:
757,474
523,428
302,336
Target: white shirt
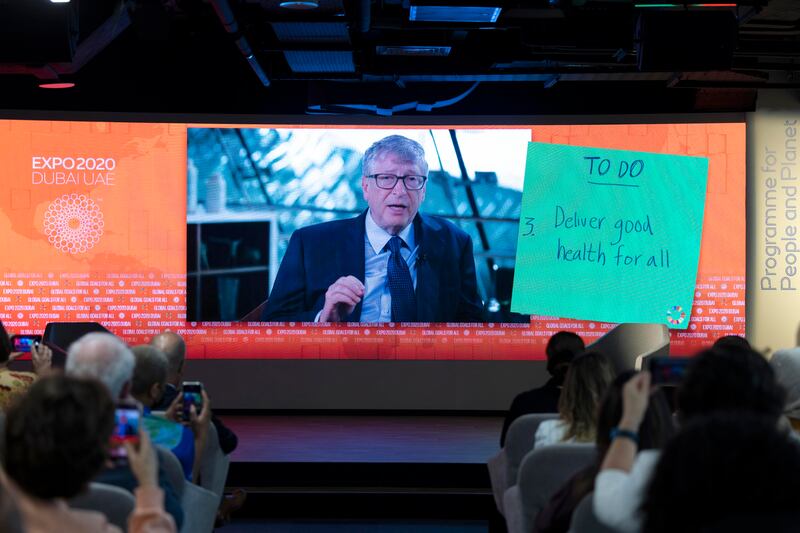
551,432
376,306
618,495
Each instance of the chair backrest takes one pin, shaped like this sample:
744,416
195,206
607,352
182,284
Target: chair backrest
114,502
545,470
584,520
520,439
172,467
214,464
199,509
628,345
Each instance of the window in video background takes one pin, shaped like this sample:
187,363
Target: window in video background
307,176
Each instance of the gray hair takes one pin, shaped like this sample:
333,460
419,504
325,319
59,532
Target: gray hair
406,149
104,357
151,368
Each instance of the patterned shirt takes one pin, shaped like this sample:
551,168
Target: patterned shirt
13,385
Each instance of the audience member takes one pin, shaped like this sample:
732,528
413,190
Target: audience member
587,380
717,380
14,384
656,429
106,358
786,364
732,341
174,348
561,349
149,380
726,472
56,440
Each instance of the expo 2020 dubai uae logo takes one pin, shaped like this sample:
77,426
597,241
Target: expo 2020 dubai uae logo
73,223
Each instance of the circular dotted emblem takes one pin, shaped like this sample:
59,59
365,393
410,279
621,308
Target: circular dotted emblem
73,223
675,315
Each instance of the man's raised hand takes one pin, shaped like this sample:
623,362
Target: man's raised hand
341,298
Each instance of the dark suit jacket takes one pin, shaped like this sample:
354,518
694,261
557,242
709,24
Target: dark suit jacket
541,400
319,255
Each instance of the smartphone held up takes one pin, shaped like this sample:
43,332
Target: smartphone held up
127,417
191,395
23,343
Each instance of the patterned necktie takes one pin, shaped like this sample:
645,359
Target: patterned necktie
404,301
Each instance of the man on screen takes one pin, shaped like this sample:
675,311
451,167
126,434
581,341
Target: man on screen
390,263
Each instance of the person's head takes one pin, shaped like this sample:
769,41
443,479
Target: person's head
729,379
561,350
394,208
657,425
57,436
786,364
149,374
104,357
732,341
5,344
174,348
655,431
588,377
720,467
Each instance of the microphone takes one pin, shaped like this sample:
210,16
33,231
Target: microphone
421,258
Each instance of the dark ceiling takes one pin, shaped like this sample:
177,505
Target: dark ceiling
368,57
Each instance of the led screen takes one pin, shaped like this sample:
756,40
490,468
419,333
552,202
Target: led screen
144,227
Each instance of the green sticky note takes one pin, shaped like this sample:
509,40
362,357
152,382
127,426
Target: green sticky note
609,235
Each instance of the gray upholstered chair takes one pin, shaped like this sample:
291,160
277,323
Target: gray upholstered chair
199,509
199,505
114,502
172,467
214,465
542,473
520,439
628,345
503,466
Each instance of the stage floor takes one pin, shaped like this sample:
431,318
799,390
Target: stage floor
365,439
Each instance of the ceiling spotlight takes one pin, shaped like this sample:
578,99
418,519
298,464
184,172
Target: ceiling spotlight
59,1
57,85
300,4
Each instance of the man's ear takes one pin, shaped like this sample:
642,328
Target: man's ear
156,390
364,185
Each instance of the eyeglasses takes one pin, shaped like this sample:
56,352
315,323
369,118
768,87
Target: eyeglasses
388,181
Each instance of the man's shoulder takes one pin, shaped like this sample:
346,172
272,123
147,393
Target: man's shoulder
440,224
327,229
542,399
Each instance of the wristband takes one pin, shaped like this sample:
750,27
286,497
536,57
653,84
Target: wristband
624,433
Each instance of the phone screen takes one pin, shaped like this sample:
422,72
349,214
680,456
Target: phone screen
126,429
23,343
667,370
192,395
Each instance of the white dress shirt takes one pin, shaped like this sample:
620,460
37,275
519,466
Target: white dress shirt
376,306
